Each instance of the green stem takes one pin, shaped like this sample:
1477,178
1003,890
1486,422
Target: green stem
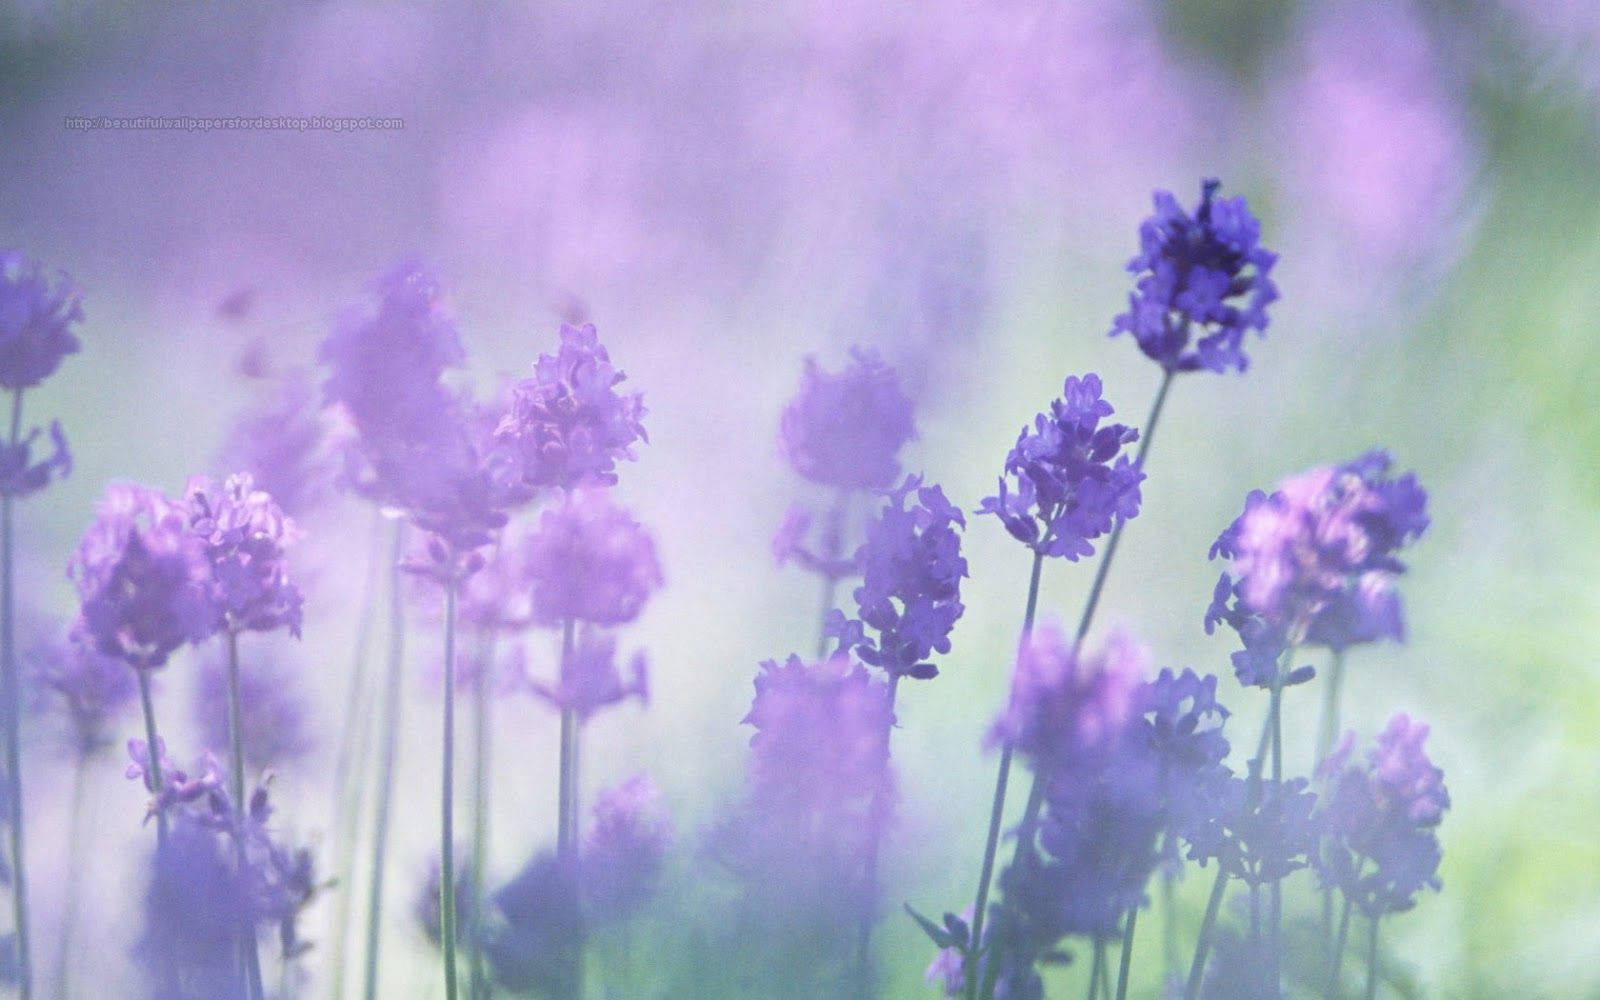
567,819
447,788
1096,968
1327,733
997,807
13,724
1275,932
1372,960
869,904
1127,954
389,739
169,971
354,736
479,981
1169,927
1337,959
1208,924
78,860
832,546
250,959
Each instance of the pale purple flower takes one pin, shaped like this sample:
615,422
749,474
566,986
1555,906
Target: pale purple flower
626,846
36,319
790,544
534,946
143,578
1066,705
94,689
285,441
246,536
1202,283
845,429
273,708
568,424
590,678
1071,483
590,561
21,475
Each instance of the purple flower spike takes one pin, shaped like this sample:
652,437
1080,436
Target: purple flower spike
36,318
143,577
20,475
1315,562
626,846
1203,282
590,679
284,440
846,429
93,688
1380,845
568,423
246,535
911,588
1066,706
272,725
1071,484
590,561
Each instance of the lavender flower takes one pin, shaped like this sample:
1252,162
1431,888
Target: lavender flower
626,847
195,903
1066,707
1180,732
93,689
1315,562
590,679
568,423
789,544
272,706
427,905
535,945
1258,831
36,318
1203,282
143,578
246,535
286,444
911,588
1381,848
1071,484
846,429
590,561
20,475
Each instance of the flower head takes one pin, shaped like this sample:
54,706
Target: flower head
36,319
590,679
590,561
910,593
93,689
1258,831
272,708
1203,282
246,537
1071,484
534,947
20,475
846,429
568,423
1066,706
286,444
143,577
626,846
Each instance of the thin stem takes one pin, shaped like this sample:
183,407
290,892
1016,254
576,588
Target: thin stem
997,807
1127,954
1337,959
869,903
832,546
13,724
152,739
447,789
567,820
1372,960
1275,933
354,737
481,720
1096,968
389,739
77,861
1327,733
250,959
1208,924
1169,928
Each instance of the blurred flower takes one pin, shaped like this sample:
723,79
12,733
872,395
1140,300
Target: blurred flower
1068,490
626,846
1066,706
568,423
1383,815
195,903
1258,831
1315,562
789,544
20,475
590,561
246,535
427,909
1202,284
284,442
272,708
534,948
143,578
590,680
94,689
911,587
1180,731
35,322
846,429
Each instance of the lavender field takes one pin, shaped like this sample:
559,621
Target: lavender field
984,499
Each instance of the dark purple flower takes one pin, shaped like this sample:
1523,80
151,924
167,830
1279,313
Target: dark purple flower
1066,706
272,708
35,322
285,442
590,561
568,424
590,679
246,537
846,429
195,903
94,689
1315,562
1380,846
910,593
535,946
20,475
1071,485
1259,831
143,578
1202,283
1180,732
626,847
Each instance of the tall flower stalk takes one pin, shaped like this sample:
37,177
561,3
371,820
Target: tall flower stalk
388,740
447,843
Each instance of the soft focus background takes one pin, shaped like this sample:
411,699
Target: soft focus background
726,188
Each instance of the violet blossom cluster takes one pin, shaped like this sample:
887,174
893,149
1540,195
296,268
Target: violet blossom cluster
36,320
1203,283
92,689
845,429
287,444
910,593
1071,481
274,715
626,847
1316,561
590,561
246,536
1380,846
